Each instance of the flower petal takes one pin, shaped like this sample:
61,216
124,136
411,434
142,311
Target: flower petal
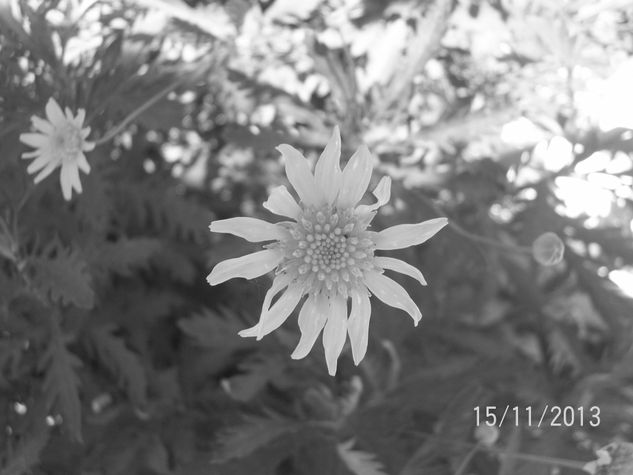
82,163
356,176
392,293
42,125
79,119
66,179
397,265
88,146
32,154
300,176
382,192
247,267
39,163
54,112
280,311
358,325
312,318
405,235
335,332
47,170
282,203
251,229
279,283
35,140
327,172
74,178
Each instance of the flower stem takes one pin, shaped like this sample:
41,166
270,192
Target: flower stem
138,111
552,461
474,237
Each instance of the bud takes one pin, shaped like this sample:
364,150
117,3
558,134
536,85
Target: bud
548,249
613,459
486,435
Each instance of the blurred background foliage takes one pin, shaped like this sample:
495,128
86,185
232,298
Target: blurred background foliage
511,117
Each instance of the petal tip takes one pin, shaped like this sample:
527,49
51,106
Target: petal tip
211,280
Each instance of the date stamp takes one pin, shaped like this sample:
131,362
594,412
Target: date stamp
548,416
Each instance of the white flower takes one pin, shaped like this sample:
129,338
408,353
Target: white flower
326,253
60,142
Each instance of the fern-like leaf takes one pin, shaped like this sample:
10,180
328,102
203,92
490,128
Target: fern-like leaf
357,461
26,455
167,211
125,255
61,383
61,275
121,362
255,433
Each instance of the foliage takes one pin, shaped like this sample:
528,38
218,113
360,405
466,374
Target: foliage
116,357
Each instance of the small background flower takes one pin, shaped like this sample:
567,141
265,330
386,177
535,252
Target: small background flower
60,141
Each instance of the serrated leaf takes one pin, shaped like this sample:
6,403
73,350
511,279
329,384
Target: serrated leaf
61,382
167,211
255,374
121,362
359,462
26,455
63,277
127,254
176,263
255,433
211,330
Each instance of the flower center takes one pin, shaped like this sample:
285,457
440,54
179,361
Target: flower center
328,251
68,141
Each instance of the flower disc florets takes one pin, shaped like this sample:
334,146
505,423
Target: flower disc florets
68,142
325,257
327,250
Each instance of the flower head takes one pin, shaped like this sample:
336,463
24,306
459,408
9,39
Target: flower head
326,253
59,142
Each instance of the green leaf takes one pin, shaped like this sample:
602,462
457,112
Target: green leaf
209,329
255,433
61,383
256,373
167,211
62,276
121,362
26,455
359,462
124,256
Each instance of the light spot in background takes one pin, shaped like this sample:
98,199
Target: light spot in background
615,106
623,279
595,162
553,154
521,132
580,198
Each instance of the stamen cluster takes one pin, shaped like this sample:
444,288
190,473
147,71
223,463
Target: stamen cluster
328,249
69,141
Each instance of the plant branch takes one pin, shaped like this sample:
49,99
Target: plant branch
142,108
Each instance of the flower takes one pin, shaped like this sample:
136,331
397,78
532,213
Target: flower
326,253
60,142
